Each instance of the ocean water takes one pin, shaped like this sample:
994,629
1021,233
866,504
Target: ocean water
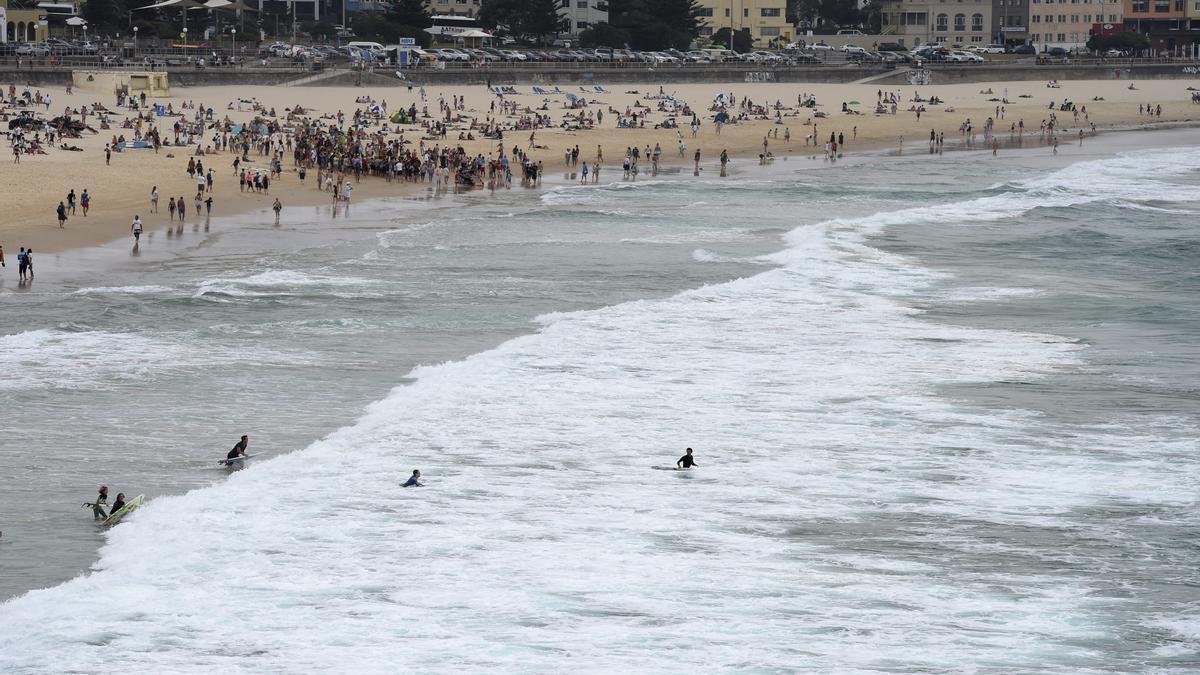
944,412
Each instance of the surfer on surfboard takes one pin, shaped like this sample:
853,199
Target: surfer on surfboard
239,450
414,480
686,462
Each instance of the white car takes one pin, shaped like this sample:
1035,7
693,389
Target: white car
451,55
852,49
992,49
820,45
964,57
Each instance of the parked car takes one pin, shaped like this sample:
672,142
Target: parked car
1024,49
33,50
1057,51
892,47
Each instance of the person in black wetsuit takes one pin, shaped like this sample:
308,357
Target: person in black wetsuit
239,449
414,480
686,462
119,504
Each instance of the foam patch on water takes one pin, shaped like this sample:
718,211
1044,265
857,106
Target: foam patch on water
281,283
124,290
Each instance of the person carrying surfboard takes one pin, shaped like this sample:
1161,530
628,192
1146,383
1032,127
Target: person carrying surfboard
686,462
99,504
239,450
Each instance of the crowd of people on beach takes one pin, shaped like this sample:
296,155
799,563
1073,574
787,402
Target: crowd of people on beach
412,143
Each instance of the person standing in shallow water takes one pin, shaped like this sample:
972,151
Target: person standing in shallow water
686,462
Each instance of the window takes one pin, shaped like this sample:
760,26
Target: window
705,11
581,4
1140,6
746,13
705,31
769,11
960,22
1074,18
1162,5
943,22
769,31
976,38
1035,37
1087,18
1062,18
976,22
581,24
726,11
1036,18
1062,37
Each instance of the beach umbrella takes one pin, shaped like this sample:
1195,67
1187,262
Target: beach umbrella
77,21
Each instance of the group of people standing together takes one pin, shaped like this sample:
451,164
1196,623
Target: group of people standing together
24,263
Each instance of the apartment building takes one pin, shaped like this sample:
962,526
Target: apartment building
452,7
1069,23
765,19
1010,22
582,14
951,22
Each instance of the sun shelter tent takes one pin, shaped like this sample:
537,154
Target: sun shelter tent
473,37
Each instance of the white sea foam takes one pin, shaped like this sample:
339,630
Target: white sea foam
124,290
284,283
543,542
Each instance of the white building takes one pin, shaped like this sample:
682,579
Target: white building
582,14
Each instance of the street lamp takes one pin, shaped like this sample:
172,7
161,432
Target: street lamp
135,42
234,31
184,39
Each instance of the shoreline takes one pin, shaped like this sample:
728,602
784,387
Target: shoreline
373,190
29,220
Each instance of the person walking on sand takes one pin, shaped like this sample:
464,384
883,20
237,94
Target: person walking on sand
136,227
62,214
277,207
171,208
182,206
154,200
85,201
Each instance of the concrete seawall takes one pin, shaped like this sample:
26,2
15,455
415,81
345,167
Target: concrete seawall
552,76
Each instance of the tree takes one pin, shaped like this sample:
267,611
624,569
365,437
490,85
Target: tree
409,13
604,35
743,41
529,20
1125,41
656,24
105,16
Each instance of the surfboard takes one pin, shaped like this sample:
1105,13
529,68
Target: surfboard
116,516
666,468
230,462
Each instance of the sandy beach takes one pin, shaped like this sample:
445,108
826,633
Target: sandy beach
121,190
